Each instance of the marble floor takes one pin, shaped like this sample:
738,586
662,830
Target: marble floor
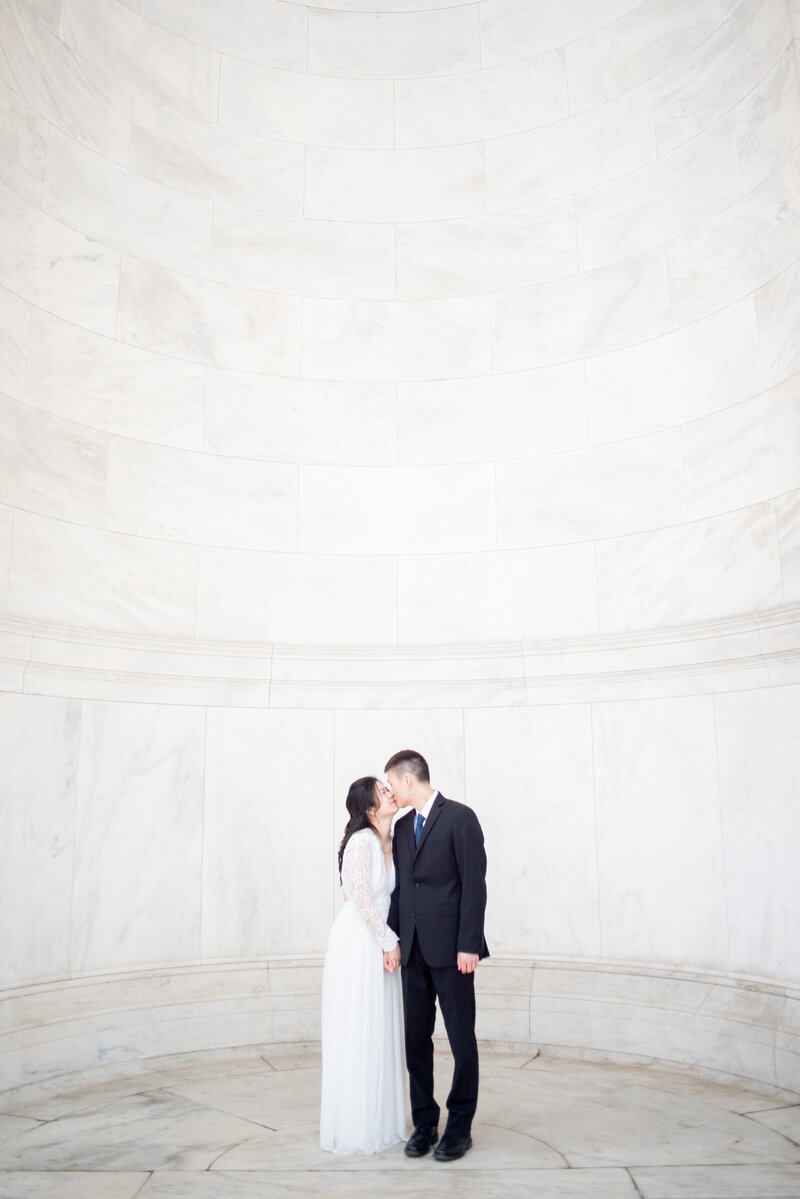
242,1124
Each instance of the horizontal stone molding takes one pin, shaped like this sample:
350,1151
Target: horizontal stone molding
760,650
105,1023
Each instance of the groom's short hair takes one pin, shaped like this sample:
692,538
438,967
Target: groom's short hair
408,761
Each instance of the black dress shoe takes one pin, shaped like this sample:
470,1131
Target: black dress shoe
421,1140
451,1147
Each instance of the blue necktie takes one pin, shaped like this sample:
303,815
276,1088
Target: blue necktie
418,827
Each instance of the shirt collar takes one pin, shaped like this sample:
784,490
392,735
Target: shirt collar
426,811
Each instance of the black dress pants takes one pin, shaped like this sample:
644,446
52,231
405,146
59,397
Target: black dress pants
422,985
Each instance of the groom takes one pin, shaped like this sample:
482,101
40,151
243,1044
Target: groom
437,909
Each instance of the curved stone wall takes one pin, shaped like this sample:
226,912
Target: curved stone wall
374,375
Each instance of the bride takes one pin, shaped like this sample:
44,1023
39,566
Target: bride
362,1108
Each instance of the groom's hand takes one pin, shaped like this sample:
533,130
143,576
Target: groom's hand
467,963
391,959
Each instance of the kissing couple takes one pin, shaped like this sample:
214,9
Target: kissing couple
415,902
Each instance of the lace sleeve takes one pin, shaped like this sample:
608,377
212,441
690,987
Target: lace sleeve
358,869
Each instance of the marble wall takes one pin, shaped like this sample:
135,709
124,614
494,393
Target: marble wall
378,373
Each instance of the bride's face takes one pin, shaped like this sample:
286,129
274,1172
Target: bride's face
385,802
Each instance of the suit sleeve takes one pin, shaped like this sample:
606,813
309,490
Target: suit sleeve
393,919
471,859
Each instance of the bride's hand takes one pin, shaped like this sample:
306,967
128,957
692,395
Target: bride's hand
391,959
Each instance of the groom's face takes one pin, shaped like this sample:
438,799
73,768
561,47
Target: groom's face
400,787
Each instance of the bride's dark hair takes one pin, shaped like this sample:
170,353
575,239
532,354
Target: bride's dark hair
361,798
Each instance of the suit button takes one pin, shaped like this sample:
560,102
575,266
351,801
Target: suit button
416,885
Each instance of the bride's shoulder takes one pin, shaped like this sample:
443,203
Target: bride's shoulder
363,835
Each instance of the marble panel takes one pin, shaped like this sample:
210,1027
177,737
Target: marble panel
627,52
515,29
63,574
50,465
54,267
59,85
299,420
15,324
736,252
6,525
624,302
123,210
603,491
102,383
759,760
661,199
394,45
707,570
676,377
494,417
570,155
265,31
210,160
743,1181
40,739
278,899
46,11
707,82
661,869
23,145
787,512
777,306
744,454
536,326
296,598
394,185
201,498
371,340
143,55
486,253
402,510
768,122
481,105
208,322
529,772
335,259
305,108
138,836
71,1184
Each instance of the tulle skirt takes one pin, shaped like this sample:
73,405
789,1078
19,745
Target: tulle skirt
362,1108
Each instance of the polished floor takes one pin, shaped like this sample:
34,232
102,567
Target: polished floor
242,1124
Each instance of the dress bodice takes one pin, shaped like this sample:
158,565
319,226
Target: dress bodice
368,885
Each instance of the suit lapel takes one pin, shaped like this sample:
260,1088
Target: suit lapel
429,823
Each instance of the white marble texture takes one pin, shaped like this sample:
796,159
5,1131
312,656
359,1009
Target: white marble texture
268,772
308,109
208,159
486,253
627,52
51,466
121,209
15,323
513,29
744,454
337,259
63,574
759,761
6,523
661,867
264,30
488,418
142,55
394,185
571,155
399,510
187,317
787,515
75,96
40,741
661,382
56,268
138,836
394,45
777,306
299,420
634,485
768,122
100,382
725,565
23,144
701,86
482,104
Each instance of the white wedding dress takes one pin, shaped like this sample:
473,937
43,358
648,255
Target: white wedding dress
362,1108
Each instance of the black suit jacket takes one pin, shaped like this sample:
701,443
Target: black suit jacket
440,887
